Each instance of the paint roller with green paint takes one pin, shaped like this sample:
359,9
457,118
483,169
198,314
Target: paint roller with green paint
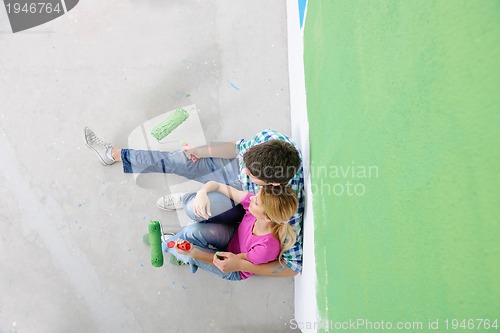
155,243
169,124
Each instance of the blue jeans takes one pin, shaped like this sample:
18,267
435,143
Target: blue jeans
208,237
221,170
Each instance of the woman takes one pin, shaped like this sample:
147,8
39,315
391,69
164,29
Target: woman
262,236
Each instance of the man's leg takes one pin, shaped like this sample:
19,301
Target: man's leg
143,161
224,171
205,169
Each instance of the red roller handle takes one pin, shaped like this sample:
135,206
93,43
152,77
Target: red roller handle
183,246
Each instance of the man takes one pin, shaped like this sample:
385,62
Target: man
269,158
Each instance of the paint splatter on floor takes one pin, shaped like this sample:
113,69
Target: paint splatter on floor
233,85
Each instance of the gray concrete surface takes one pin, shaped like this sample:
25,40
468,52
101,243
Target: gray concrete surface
71,255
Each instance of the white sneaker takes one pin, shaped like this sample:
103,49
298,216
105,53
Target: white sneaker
170,202
98,146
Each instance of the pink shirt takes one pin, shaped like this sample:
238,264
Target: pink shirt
259,249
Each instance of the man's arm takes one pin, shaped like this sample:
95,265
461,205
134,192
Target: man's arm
221,150
234,263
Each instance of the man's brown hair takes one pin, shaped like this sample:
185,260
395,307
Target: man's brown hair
274,161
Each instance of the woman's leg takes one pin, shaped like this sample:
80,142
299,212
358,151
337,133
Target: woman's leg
223,209
206,237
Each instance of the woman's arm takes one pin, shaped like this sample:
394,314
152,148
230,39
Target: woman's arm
237,262
194,252
201,204
199,254
234,263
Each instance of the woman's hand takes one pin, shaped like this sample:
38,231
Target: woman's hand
201,205
227,262
184,247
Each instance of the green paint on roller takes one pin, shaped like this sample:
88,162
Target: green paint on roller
155,243
168,125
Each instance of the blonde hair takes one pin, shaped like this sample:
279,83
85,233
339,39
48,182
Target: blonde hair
280,203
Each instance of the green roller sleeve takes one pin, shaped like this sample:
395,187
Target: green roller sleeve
168,125
155,243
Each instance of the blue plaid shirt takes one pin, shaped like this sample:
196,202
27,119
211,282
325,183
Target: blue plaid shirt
293,256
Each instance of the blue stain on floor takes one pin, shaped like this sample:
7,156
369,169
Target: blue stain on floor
233,85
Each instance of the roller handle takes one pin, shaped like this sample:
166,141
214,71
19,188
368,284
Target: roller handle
183,246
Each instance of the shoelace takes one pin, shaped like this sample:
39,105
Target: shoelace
172,200
94,139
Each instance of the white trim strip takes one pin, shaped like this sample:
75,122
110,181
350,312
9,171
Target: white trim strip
306,308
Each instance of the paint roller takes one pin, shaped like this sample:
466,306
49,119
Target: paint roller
155,233
169,124
154,229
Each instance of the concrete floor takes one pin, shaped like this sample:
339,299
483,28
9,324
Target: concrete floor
71,254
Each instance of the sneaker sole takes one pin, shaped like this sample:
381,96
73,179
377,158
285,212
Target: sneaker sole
95,151
166,236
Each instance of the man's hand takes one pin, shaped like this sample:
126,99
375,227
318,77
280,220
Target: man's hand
190,153
227,262
220,150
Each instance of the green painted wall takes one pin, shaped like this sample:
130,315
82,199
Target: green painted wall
412,90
